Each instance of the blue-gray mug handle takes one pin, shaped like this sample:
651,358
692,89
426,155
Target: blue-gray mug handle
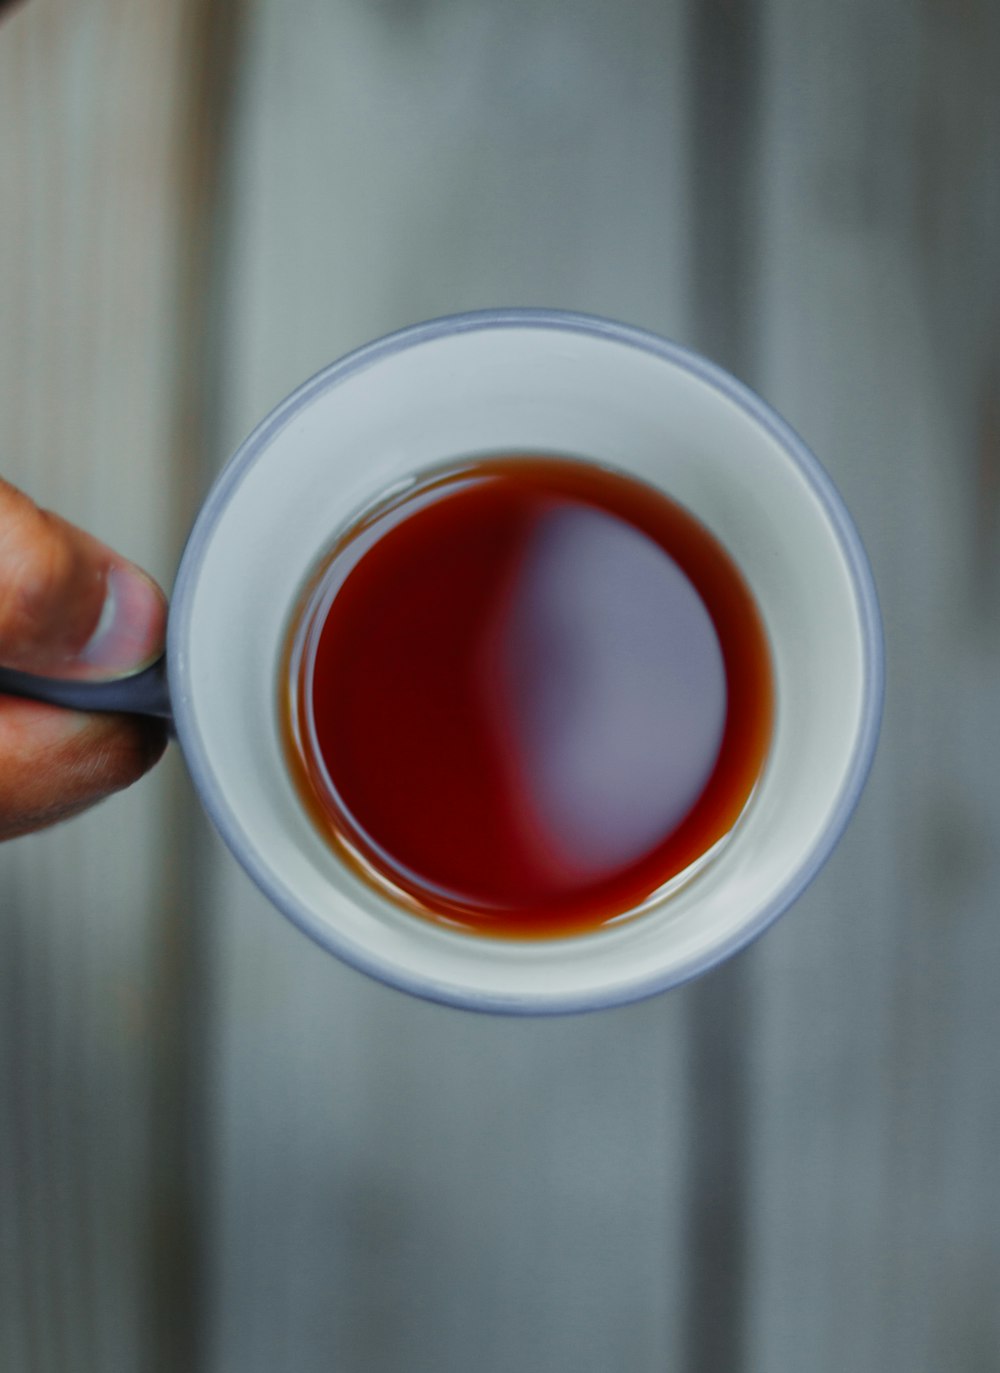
143,693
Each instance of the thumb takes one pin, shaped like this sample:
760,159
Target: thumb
69,605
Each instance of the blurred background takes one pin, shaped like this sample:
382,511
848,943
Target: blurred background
221,1151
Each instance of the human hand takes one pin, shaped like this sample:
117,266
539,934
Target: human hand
69,607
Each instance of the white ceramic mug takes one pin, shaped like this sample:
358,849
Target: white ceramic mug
526,381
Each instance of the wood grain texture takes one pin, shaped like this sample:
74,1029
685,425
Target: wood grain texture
876,1096
91,204
790,1165
399,161
400,1186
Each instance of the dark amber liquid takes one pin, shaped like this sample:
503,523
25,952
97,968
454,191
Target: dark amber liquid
526,694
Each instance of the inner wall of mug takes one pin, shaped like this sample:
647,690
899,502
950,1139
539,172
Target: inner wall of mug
303,476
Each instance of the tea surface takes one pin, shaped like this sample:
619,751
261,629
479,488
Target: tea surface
526,693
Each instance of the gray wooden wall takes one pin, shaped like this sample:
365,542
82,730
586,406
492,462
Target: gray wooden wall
222,1151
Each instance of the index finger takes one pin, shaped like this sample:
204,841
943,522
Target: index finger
69,605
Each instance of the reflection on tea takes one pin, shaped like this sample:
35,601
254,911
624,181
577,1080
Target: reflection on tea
526,693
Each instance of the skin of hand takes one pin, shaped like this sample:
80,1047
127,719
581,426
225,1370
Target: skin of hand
69,607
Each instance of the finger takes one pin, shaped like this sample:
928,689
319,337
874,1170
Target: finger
69,605
55,763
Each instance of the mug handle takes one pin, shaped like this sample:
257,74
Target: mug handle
142,693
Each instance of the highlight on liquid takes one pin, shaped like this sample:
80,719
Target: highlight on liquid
525,693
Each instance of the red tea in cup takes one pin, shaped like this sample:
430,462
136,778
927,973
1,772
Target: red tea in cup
523,694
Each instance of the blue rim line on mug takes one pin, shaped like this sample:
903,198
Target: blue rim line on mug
568,322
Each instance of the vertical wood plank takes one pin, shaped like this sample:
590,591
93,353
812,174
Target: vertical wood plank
724,45
876,1241
201,127
92,184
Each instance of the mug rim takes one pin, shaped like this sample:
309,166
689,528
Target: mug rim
678,355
